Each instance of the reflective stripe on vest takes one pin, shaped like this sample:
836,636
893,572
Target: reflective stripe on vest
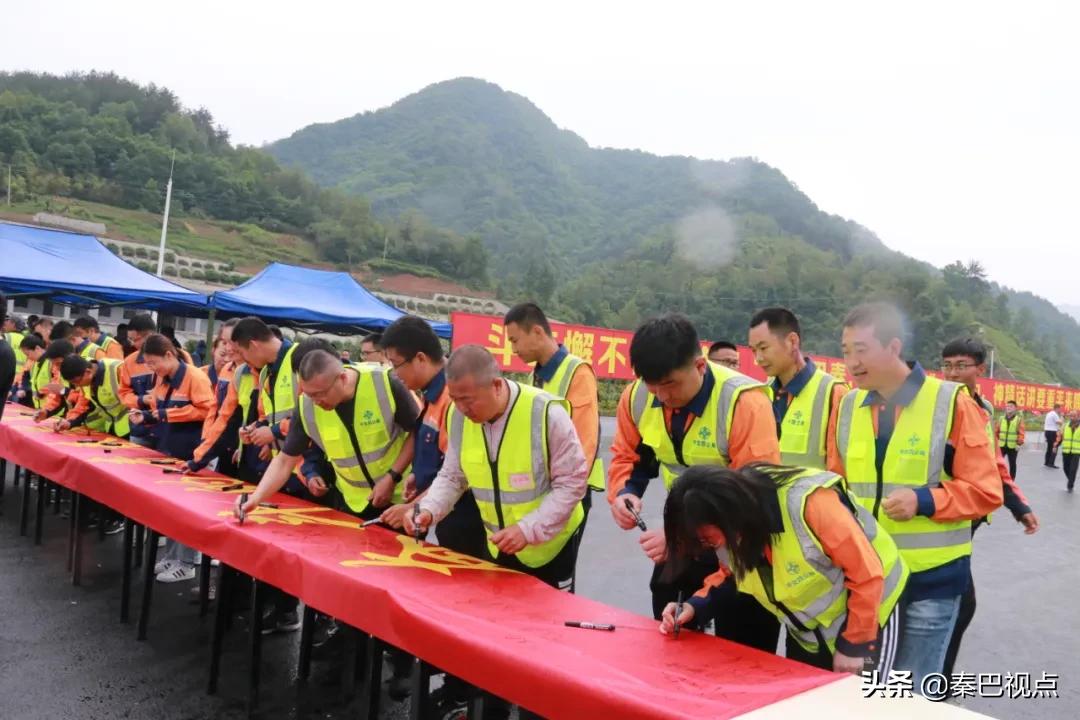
915,458
805,580
1010,433
559,386
379,438
522,475
1070,439
706,440
802,431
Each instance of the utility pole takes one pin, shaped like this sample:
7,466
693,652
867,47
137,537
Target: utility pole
165,218
9,184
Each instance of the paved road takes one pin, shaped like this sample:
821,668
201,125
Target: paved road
63,654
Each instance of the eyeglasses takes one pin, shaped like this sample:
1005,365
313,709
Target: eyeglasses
399,365
958,367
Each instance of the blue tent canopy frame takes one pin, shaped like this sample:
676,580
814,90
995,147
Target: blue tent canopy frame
77,269
320,300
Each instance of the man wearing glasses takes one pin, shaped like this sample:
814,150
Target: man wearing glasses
724,353
371,350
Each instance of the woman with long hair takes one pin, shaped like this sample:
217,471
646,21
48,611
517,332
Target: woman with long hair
798,543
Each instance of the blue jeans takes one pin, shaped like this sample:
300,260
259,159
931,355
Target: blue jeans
927,628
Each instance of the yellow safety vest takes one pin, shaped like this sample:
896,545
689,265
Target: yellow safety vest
558,386
915,458
278,402
1070,439
379,438
802,586
516,482
706,440
804,428
40,376
14,340
245,388
1010,432
108,412
89,353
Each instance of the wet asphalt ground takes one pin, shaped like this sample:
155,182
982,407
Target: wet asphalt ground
64,654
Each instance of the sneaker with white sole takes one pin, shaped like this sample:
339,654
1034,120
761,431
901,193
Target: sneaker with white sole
177,573
163,566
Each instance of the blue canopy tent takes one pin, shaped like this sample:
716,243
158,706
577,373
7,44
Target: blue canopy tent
77,269
318,300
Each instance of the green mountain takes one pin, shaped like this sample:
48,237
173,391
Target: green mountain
608,236
481,160
100,138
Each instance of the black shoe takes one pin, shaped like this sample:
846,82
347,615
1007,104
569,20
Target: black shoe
274,621
114,526
326,629
448,704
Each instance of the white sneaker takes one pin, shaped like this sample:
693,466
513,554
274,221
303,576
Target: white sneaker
161,541
163,565
177,573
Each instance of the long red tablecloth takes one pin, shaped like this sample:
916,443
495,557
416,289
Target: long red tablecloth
500,630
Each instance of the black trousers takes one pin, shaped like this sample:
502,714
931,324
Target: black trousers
1051,450
963,619
462,530
739,617
1010,455
1069,462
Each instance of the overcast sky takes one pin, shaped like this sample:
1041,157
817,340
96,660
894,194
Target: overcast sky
950,129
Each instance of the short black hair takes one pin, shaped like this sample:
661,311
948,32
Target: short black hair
965,347
1010,402
886,320
159,345
527,316
722,345
374,338
662,345
276,331
85,322
251,329
142,323
61,330
309,345
3,308
59,349
31,341
780,321
73,366
410,335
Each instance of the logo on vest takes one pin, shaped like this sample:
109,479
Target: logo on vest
913,449
796,419
793,568
703,438
368,418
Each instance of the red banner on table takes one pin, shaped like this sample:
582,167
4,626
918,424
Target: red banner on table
609,353
498,629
